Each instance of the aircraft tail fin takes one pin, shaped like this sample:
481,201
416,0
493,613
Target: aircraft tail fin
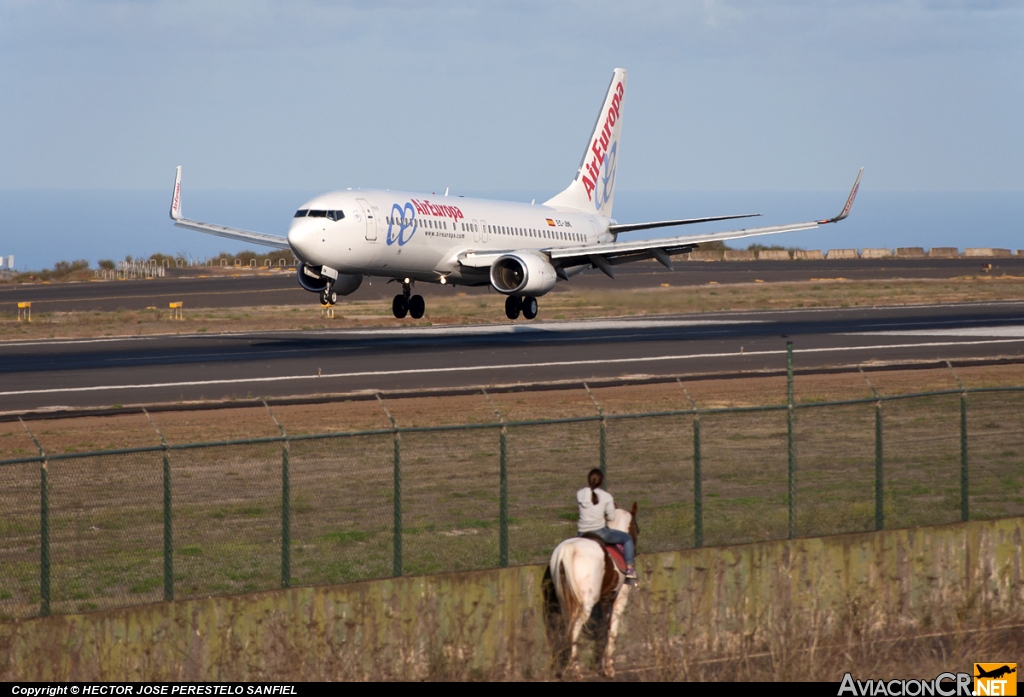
593,189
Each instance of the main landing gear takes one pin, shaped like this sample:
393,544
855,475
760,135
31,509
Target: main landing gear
526,305
405,304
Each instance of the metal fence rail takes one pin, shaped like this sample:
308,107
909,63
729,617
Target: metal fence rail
94,530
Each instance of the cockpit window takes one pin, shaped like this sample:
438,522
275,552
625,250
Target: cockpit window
301,213
331,215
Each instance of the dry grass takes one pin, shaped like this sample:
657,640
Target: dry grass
449,306
106,511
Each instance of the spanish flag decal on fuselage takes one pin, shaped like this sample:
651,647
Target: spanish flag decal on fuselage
551,223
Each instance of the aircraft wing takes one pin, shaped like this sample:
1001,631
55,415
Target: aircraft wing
632,227
605,256
219,230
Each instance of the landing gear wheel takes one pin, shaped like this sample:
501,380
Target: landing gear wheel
417,306
512,307
328,296
399,307
529,307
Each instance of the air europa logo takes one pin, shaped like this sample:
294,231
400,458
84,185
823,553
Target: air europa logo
599,151
401,221
442,211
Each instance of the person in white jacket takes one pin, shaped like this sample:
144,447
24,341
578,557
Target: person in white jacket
597,508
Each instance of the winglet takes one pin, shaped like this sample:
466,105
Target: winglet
176,196
849,201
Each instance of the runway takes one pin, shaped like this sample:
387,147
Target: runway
135,370
248,288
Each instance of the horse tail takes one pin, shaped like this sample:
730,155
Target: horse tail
566,589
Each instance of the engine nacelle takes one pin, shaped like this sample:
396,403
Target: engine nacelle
311,279
523,273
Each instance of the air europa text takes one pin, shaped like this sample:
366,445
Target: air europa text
600,145
428,208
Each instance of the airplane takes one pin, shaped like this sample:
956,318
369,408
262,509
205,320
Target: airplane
521,250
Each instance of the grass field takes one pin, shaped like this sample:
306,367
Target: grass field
449,306
106,511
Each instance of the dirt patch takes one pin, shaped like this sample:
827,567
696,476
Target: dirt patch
461,308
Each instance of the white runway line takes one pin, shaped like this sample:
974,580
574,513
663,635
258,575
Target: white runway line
507,366
1014,331
457,330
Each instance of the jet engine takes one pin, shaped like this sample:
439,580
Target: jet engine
523,273
311,279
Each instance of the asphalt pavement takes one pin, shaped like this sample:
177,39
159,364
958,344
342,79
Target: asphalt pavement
160,369
198,288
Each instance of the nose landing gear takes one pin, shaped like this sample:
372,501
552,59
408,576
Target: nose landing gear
526,305
406,304
328,296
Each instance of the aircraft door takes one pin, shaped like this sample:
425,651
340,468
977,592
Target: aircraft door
370,217
476,231
483,230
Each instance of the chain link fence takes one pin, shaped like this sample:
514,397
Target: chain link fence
87,531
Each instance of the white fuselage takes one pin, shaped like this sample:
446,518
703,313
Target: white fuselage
418,236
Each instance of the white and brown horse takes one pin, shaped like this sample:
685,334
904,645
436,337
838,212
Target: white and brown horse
583,575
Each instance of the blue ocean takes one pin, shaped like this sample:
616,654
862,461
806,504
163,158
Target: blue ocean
41,227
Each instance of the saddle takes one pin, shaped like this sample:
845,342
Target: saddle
616,554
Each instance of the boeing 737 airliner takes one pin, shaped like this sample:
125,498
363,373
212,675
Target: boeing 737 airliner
520,249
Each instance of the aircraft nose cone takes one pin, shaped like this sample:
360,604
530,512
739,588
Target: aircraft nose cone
302,237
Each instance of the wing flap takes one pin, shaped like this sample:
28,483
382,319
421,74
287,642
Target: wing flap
632,227
673,245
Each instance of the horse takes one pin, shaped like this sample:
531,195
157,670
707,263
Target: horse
583,575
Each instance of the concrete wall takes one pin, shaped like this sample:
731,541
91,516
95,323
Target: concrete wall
986,252
807,254
739,255
875,253
491,624
841,254
910,251
774,254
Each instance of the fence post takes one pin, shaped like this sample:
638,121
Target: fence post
965,501
168,521
879,470
286,507
879,459
44,528
791,469
698,479
502,487
396,535
604,428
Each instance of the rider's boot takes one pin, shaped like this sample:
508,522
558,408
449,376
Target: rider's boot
630,571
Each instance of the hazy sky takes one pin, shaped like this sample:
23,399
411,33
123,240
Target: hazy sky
496,95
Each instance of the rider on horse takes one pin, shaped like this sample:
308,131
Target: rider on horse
597,508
